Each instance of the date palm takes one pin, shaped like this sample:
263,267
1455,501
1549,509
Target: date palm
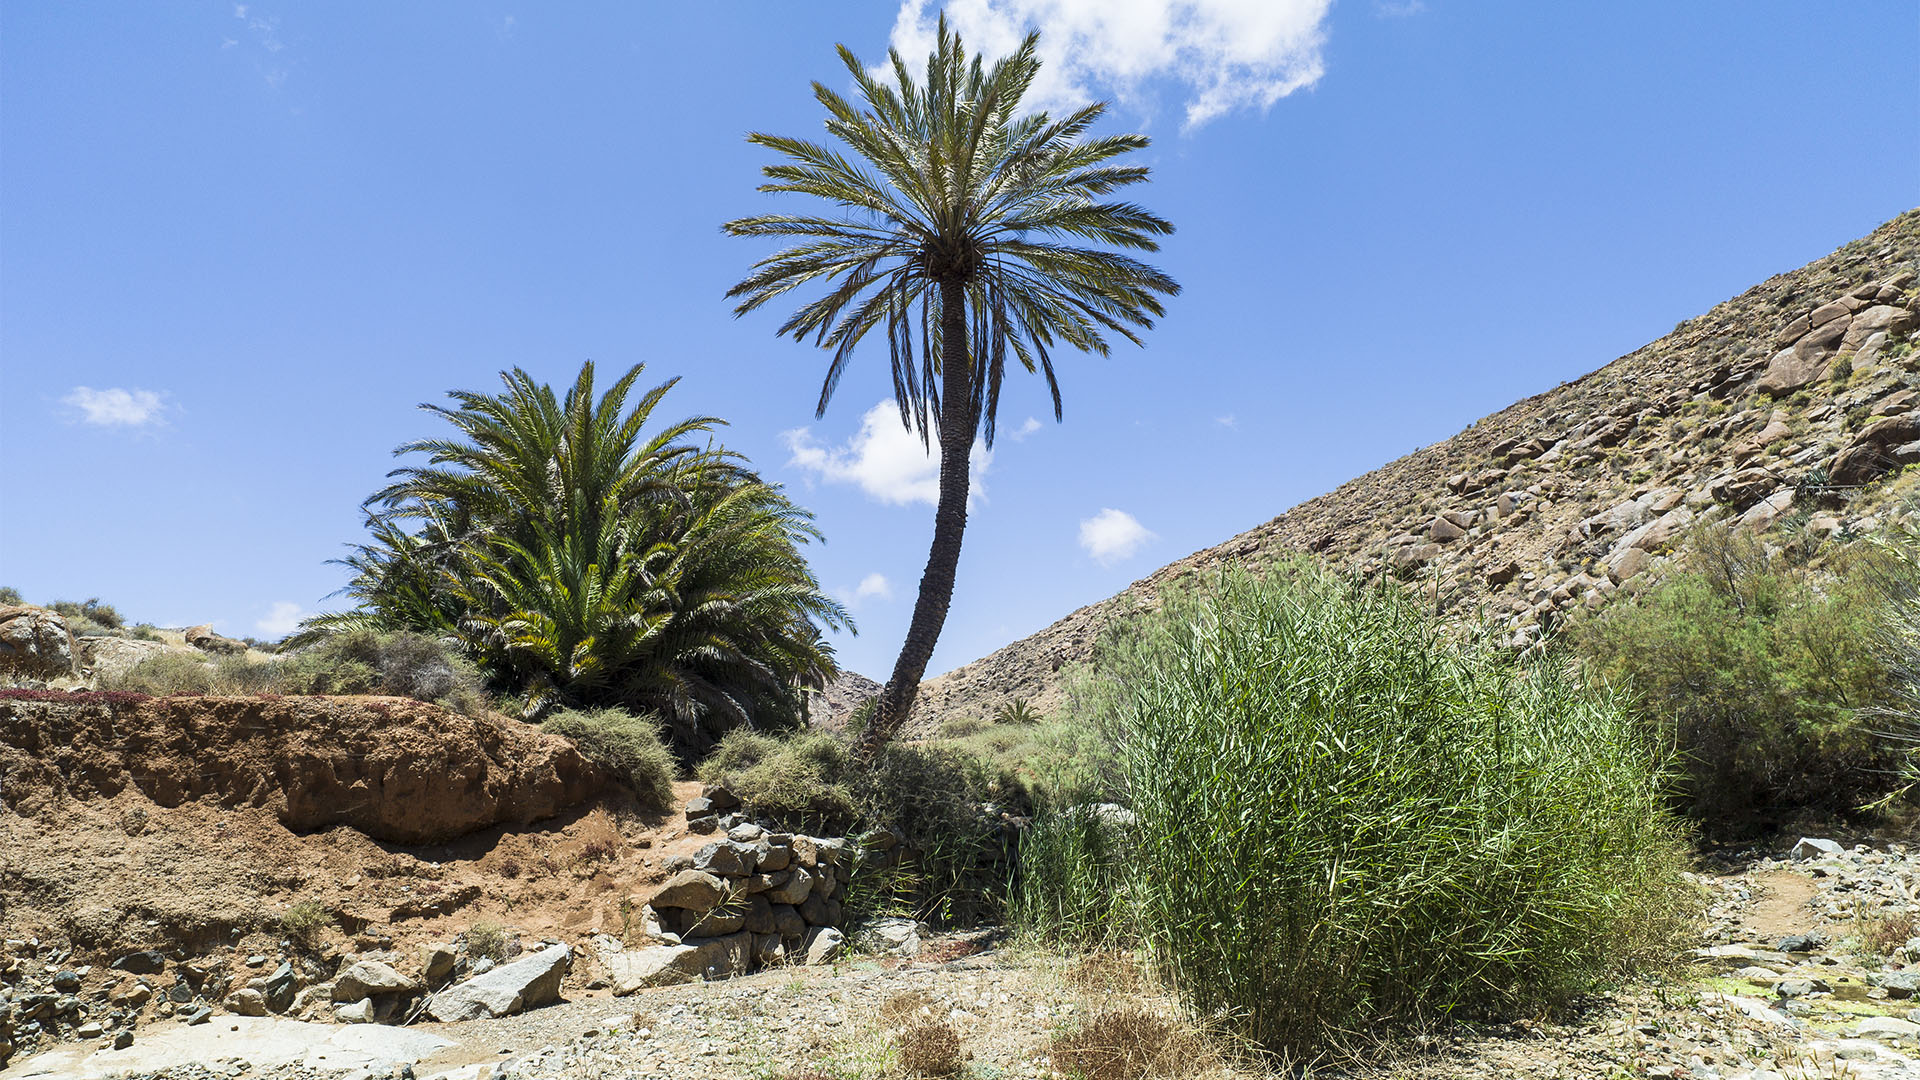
584,557
967,232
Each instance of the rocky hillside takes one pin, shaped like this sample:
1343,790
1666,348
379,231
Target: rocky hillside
1786,407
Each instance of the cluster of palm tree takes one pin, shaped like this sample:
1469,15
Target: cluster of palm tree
583,560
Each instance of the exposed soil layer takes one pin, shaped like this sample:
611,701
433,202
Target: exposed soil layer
395,769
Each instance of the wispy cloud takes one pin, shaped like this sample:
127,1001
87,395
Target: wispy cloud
872,587
281,619
1398,9
884,459
1112,536
1028,427
117,407
266,33
1229,421
1228,54
504,27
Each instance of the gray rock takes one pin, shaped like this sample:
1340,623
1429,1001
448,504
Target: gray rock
527,983
370,978
141,963
770,857
893,937
1811,848
246,1003
35,641
745,833
824,943
1793,988
1899,985
357,1012
694,890
788,922
723,859
794,890
436,963
703,825
1440,530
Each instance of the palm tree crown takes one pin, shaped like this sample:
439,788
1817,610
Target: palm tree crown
970,231
583,560
948,184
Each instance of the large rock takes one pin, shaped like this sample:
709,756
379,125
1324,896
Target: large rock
203,638
527,983
1878,448
695,890
369,978
665,965
35,642
1876,319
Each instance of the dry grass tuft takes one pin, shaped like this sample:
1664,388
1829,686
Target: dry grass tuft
904,1008
931,1050
1104,972
1127,1044
1881,933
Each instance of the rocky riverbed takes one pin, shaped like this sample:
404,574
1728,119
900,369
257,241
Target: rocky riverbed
1809,966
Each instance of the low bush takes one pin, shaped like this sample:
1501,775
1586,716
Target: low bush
1071,889
946,802
931,1050
487,939
163,674
627,746
1761,672
800,780
402,664
1347,819
305,923
1127,1044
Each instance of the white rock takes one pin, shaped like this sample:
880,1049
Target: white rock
527,983
1813,848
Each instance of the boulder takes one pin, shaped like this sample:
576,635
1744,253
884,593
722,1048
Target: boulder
35,642
1876,449
1441,530
527,983
695,890
1879,318
246,1003
794,889
147,962
370,978
202,637
358,1012
436,962
723,859
665,965
1810,847
892,937
823,945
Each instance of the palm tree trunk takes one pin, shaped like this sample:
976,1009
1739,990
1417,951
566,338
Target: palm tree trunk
949,525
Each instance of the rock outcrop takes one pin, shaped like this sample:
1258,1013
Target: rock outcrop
35,642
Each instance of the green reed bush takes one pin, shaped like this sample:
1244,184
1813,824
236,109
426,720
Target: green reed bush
1346,818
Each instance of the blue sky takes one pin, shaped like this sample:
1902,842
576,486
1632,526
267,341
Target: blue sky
238,245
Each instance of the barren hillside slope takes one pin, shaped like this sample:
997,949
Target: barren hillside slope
1786,407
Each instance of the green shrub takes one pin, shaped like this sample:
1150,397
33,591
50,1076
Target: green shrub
1071,888
626,745
367,662
1017,711
1760,673
1346,819
959,727
946,802
304,923
801,780
10,595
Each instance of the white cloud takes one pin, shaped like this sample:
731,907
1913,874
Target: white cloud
282,619
1229,54
1111,536
115,407
884,459
1027,428
874,585
1398,9
1229,421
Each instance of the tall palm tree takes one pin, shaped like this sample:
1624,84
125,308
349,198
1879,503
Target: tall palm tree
979,229
581,560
